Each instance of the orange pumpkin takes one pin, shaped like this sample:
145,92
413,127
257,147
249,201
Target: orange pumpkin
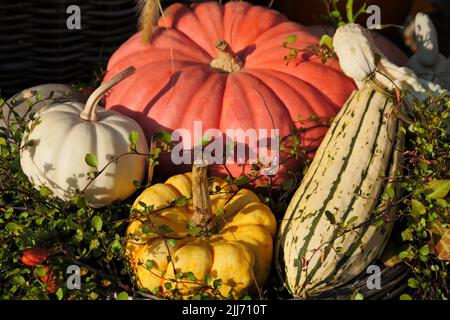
184,75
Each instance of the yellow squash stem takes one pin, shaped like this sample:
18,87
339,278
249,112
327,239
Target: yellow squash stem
90,110
201,202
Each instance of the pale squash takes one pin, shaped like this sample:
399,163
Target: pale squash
344,184
344,181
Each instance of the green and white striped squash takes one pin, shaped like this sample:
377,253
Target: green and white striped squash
344,183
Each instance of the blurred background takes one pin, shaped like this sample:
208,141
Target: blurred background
36,47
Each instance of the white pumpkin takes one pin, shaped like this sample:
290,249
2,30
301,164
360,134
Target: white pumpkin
40,96
67,132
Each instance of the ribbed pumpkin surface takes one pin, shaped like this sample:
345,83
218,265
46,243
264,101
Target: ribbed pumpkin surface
240,253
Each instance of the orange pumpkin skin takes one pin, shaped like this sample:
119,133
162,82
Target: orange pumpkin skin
175,85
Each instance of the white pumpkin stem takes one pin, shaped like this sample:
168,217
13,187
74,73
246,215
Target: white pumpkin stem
227,61
90,110
201,202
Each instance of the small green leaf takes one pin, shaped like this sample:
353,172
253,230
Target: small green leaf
404,255
82,202
425,250
39,95
217,284
133,137
122,296
92,174
59,294
195,231
413,283
390,192
91,160
327,41
168,285
181,201
242,180
205,140
417,208
45,192
405,297
336,14
293,53
220,212
407,234
145,229
440,189
116,246
442,203
40,272
165,229
330,217
351,220
155,291
358,296
11,226
165,136
136,184
291,39
191,276
172,243
97,223
40,220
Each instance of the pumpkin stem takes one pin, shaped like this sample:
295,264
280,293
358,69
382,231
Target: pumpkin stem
201,202
90,110
227,61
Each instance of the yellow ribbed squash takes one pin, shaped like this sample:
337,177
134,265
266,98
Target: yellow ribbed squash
238,251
